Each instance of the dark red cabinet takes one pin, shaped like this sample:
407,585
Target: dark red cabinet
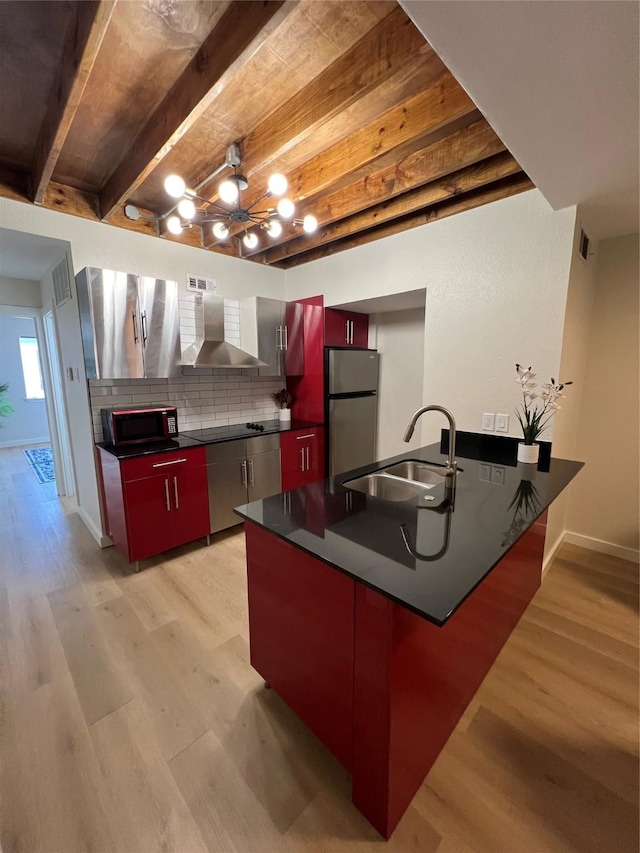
345,328
155,502
301,457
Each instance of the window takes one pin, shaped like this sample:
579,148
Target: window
31,368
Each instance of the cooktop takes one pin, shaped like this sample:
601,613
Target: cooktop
234,431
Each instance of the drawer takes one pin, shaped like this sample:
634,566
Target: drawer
223,451
297,438
263,444
155,463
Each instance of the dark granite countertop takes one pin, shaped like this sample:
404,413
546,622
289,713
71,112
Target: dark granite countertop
198,437
426,559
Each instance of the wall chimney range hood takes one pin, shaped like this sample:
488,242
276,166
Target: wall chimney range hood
212,350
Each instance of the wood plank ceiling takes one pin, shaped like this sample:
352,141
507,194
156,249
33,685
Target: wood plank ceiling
102,100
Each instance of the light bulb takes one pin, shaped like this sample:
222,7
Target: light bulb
274,229
187,208
286,208
250,240
278,184
220,230
228,191
309,223
174,225
175,186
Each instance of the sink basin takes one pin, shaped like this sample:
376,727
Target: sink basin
387,488
418,472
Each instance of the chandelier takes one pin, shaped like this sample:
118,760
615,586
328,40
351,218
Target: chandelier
229,209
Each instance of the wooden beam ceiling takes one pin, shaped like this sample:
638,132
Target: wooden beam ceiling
379,138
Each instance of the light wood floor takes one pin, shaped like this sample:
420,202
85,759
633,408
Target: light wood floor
132,721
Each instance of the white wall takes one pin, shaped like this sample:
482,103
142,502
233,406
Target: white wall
496,280
573,366
20,292
603,509
399,338
28,423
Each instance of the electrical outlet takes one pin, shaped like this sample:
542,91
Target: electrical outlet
498,475
502,423
488,421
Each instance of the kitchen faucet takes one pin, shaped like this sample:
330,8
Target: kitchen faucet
452,465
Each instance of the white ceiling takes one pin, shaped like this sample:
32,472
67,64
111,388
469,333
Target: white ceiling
558,80
28,256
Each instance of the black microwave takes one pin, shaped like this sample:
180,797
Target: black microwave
122,425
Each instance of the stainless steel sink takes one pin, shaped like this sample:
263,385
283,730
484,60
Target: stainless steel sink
419,472
387,487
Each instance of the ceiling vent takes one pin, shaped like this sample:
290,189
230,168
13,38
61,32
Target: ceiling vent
583,246
201,285
61,283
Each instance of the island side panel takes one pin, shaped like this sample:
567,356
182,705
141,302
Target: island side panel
301,635
413,680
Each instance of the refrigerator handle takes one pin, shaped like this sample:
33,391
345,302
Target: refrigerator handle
346,331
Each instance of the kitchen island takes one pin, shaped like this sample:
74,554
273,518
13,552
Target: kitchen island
377,620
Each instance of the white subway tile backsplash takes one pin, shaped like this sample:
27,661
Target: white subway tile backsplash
208,397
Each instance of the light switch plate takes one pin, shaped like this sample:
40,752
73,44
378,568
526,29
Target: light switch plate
502,423
488,420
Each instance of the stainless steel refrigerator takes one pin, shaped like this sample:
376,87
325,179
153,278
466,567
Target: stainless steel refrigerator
351,407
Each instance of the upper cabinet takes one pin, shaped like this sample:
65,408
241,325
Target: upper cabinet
345,328
130,325
272,330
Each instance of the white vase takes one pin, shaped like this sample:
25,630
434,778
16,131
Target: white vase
284,415
528,452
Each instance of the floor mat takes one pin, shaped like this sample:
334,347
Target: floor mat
41,462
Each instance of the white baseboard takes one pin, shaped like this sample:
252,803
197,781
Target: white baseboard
103,541
552,553
21,442
601,546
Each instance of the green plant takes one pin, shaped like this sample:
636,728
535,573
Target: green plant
283,398
538,407
5,406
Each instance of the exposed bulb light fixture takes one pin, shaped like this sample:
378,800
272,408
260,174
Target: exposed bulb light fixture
269,219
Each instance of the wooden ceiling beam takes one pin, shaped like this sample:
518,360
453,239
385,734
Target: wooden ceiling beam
494,192
84,37
243,28
422,166
383,52
442,104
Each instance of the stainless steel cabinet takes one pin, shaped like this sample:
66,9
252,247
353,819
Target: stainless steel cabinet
272,331
130,325
239,472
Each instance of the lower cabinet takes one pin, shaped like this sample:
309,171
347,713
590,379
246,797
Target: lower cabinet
302,454
155,502
239,472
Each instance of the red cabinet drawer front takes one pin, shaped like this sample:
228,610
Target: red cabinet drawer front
158,463
296,437
302,633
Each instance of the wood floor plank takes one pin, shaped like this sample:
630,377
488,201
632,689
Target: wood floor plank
96,673
174,716
146,808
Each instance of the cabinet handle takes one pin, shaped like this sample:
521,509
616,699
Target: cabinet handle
143,322
302,458
166,494
307,454
251,482
308,435
170,462
286,337
278,337
135,328
346,331
244,473
175,492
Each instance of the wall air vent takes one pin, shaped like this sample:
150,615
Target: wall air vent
583,246
199,285
61,283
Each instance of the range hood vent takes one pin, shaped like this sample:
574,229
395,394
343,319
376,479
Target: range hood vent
212,350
